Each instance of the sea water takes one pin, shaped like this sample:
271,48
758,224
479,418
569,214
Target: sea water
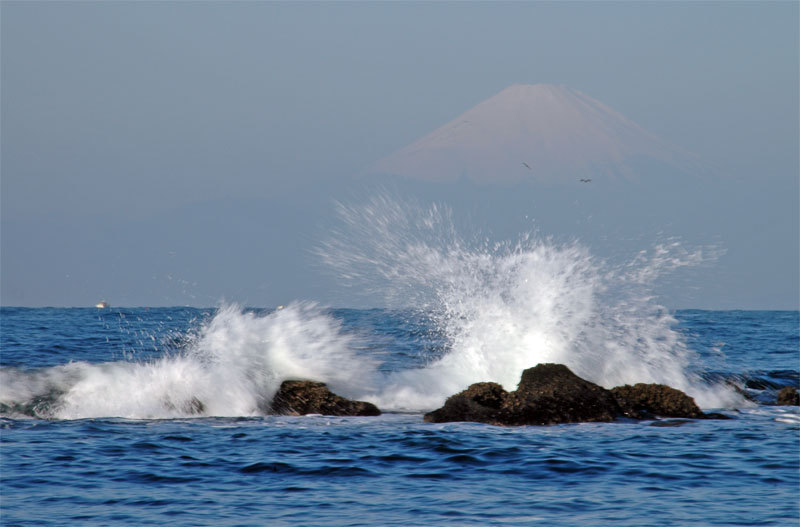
142,416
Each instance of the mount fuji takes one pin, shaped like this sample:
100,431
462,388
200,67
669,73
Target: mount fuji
542,133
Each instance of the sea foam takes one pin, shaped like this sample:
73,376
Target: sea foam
507,306
231,366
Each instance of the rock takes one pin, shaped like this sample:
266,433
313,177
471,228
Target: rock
546,394
643,400
551,394
480,402
788,396
193,406
310,397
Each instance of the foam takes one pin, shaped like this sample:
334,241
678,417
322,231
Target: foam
508,306
231,367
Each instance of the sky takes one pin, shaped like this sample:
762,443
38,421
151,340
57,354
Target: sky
171,153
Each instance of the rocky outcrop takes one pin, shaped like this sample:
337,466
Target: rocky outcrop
481,402
552,394
310,397
645,400
546,394
788,396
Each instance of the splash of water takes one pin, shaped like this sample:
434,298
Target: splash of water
509,306
232,367
502,308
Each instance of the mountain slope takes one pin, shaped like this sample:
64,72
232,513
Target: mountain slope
536,132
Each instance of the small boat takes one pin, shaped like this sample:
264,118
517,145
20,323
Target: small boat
102,304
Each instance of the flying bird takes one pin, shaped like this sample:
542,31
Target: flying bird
526,165
586,180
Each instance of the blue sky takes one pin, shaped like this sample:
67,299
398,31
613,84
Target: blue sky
125,120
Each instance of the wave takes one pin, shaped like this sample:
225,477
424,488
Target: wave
501,307
507,306
231,367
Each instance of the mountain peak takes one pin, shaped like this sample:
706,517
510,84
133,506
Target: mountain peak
540,132
536,89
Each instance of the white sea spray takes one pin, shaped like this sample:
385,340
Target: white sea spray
232,366
508,306
501,307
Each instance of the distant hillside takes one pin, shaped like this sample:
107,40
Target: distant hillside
540,133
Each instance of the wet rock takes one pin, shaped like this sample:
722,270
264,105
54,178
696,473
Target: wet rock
480,403
193,406
547,394
788,396
655,400
552,394
310,397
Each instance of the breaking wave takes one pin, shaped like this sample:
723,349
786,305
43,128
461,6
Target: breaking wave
504,307
232,366
501,307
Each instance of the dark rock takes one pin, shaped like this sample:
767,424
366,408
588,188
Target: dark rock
546,394
193,406
310,397
480,402
552,394
655,399
788,396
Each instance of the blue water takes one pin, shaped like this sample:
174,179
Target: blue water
63,464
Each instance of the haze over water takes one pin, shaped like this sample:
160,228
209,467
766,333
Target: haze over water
174,154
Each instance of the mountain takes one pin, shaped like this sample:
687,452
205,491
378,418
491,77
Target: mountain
538,132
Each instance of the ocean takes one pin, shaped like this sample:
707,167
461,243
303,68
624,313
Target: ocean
152,416
96,429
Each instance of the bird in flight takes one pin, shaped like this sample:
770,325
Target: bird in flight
586,180
526,165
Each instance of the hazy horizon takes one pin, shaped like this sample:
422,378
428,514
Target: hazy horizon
159,154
